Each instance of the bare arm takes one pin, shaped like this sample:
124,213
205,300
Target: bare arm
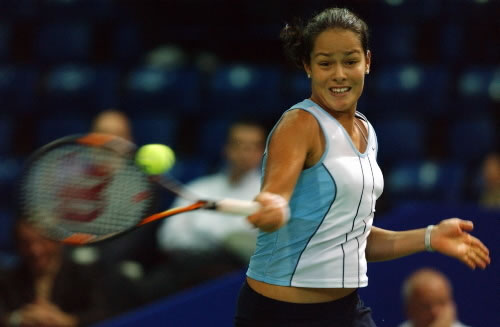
450,237
295,144
386,245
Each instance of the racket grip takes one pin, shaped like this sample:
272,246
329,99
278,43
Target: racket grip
238,207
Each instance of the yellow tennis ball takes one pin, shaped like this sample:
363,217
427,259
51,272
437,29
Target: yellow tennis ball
155,159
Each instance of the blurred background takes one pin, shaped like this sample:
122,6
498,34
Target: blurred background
183,70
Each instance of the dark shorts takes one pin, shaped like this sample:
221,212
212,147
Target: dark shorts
254,309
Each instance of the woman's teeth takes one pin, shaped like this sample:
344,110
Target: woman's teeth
340,89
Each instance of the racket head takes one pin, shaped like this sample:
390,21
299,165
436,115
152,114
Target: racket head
85,188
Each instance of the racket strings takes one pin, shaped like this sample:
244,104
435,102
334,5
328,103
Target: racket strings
79,189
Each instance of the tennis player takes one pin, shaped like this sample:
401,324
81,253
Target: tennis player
321,176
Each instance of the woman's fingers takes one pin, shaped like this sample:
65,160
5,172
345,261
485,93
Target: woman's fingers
466,225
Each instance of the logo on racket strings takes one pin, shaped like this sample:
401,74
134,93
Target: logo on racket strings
82,196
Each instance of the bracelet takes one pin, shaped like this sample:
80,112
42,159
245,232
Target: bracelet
427,238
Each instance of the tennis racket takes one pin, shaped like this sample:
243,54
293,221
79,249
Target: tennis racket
83,189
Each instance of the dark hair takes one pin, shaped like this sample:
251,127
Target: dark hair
298,40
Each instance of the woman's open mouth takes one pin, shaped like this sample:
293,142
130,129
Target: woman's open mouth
336,91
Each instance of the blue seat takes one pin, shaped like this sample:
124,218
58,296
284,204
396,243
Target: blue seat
475,81
299,86
477,88
8,256
470,12
405,11
153,89
76,9
18,9
424,180
10,170
53,127
414,87
6,230
246,89
400,138
5,135
80,88
400,47
155,129
126,44
471,139
188,168
64,42
18,88
212,138
5,36
451,42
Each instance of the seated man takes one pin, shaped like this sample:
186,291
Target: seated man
428,300
202,245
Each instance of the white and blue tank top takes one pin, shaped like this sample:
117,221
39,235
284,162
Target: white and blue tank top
331,214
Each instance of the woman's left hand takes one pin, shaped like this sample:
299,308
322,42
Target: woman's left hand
451,237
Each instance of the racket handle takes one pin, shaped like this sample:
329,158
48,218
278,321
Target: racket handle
238,207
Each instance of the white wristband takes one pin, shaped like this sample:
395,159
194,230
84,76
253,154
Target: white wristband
427,238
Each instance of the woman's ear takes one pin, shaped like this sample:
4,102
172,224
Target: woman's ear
307,69
368,61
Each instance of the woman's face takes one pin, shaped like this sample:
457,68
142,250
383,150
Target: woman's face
337,68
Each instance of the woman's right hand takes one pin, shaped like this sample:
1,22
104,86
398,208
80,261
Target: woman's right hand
273,214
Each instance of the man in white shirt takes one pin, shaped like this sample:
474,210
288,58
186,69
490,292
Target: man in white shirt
202,245
428,300
205,231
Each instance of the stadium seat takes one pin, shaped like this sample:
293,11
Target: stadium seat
451,42
6,228
246,89
213,134
411,88
424,180
153,89
76,9
471,139
18,89
188,168
400,138
8,257
299,86
10,170
126,44
5,135
158,128
53,127
64,42
409,11
477,88
80,88
5,32
400,47
17,9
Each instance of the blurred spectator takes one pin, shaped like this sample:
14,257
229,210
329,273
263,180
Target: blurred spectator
202,245
428,300
489,196
112,121
128,254
46,289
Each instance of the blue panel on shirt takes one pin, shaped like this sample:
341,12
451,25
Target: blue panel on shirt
278,253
